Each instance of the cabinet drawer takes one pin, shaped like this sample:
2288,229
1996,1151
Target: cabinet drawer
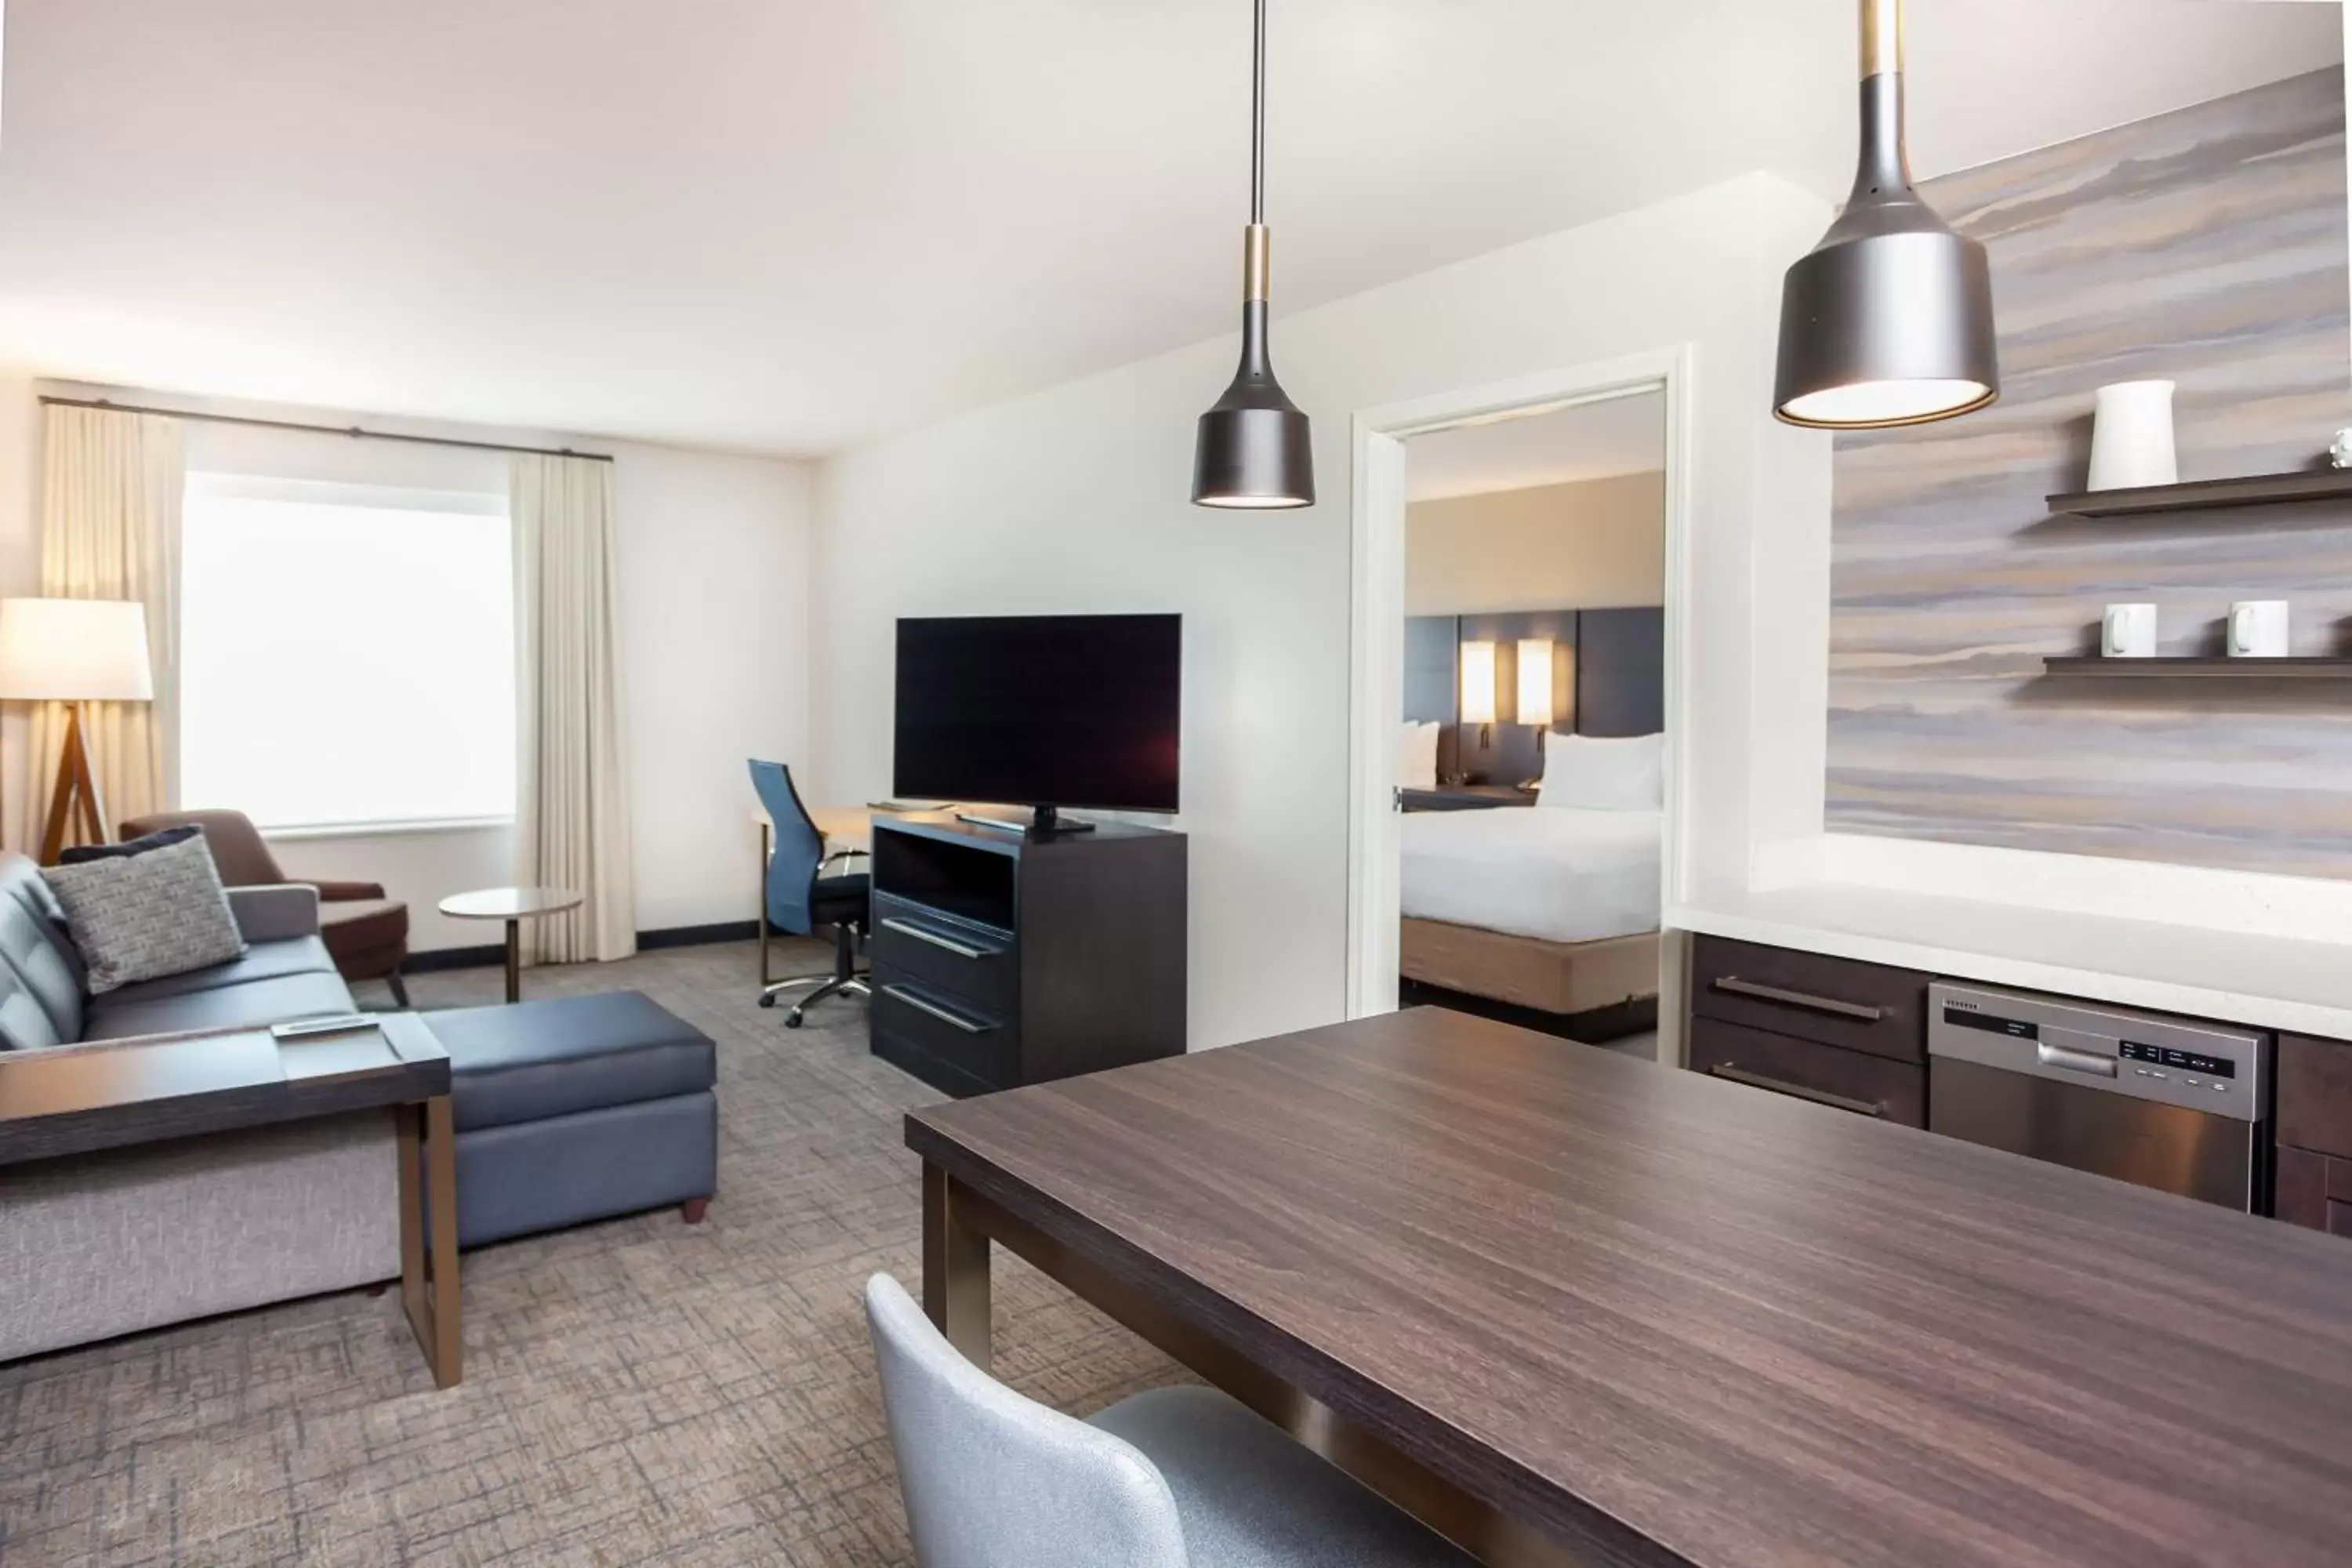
1835,1001
980,1052
970,961
2313,1191
1805,1069
2315,1095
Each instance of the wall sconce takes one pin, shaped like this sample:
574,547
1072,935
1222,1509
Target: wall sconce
1535,685
1478,690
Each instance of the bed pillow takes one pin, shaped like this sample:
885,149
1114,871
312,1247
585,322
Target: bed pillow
141,916
1589,774
1418,768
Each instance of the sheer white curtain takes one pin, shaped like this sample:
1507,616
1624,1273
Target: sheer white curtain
110,485
571,819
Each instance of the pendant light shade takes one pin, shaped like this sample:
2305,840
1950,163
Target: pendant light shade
1888,321
1253,449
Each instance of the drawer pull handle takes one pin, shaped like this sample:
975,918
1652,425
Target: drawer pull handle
1738,1074
1736,986
955,1020
909,928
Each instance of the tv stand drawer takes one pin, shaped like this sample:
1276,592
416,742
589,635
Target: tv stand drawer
944,1028
943,953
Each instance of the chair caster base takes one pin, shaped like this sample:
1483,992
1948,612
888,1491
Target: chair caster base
767,1001
793,1020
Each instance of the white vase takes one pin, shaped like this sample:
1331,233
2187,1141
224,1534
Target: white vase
2131,440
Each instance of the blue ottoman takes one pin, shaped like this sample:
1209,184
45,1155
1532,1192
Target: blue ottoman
577,1108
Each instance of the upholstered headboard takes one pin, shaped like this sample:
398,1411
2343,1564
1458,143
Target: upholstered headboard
1608,680
1621,671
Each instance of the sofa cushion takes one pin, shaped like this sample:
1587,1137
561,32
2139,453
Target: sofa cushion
35,947
25,1024
141,916
262,960
248,1006
551,1057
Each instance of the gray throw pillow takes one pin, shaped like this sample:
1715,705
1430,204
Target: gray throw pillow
141,916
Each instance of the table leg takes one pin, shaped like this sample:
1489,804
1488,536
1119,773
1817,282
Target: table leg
955,1269
765,851
514,961
427,1151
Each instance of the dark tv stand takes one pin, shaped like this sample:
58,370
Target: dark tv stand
1002,958
1042,820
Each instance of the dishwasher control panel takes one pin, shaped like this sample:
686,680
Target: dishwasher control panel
2178,1061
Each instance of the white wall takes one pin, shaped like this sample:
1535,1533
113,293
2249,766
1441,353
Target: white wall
1076,499
20,558
1549,547
714,634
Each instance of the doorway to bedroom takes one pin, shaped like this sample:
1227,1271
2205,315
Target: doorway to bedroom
1530,764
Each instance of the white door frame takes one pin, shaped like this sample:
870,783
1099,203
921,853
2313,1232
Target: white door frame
1377,645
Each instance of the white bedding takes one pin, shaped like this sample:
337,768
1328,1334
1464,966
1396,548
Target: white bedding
1558,874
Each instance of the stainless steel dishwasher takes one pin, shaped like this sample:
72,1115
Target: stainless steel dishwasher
2169,1104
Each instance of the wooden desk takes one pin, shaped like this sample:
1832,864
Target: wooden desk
1572,1307
847,830
71,1100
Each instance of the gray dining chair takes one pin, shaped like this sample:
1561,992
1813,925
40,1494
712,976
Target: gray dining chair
1177,1478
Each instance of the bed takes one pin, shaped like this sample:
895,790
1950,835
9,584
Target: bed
1549,908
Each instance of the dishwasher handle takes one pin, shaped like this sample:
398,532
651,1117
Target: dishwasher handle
2072,1060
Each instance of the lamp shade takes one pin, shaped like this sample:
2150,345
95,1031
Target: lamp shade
1889,320
1477,683
1253,448
74,650
1535,681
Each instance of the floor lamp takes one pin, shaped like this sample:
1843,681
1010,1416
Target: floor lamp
74,651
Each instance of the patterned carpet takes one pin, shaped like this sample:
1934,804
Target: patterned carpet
636,1391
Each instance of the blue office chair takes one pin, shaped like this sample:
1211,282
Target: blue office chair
800,897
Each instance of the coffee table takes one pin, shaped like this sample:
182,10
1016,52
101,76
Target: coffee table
70,1099
514,906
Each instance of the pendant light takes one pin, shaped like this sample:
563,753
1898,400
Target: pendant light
1253,449
1889,320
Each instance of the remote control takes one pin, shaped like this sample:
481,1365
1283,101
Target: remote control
340,1024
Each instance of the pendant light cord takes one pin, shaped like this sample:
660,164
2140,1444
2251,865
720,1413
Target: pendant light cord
1257,121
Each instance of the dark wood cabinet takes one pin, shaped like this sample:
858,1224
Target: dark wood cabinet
2315,1133
1857,1081
1839,1033
1835,1001
2314,1094
1000,959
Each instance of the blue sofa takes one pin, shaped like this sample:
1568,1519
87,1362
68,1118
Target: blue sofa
567,1109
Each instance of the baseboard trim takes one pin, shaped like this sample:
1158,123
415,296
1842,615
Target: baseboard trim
697,936
493,956
453,958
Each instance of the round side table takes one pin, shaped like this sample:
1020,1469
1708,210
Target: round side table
514,906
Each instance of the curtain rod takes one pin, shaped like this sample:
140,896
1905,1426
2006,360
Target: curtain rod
352,431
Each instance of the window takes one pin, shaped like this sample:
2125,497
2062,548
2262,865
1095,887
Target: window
346,654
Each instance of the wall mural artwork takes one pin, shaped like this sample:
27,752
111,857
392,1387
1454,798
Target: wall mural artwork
2208,246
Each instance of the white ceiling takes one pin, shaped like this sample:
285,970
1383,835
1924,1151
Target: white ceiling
789,225
1594,441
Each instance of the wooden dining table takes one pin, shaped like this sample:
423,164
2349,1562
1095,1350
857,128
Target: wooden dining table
1569,1306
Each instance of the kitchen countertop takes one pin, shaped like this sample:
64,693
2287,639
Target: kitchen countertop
2269,982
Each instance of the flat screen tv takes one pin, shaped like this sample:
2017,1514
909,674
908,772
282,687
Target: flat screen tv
1040,710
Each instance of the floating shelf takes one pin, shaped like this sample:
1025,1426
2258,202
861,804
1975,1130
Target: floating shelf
2207,495
2202,669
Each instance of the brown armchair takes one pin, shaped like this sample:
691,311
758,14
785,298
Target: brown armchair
366,932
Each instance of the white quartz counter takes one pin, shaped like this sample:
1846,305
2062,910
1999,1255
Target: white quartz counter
2300,985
